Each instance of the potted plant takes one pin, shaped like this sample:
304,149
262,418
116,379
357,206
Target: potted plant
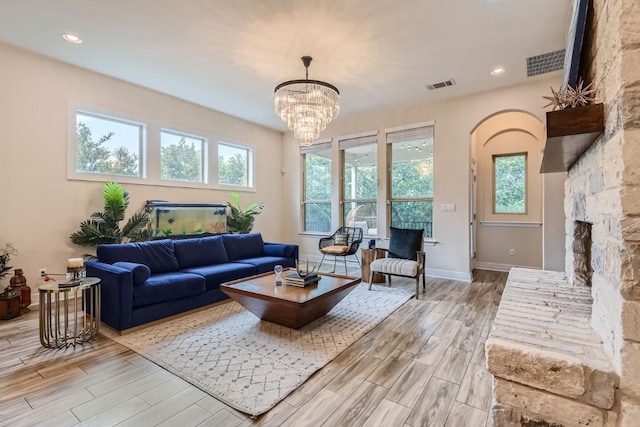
104,227
241,221
5,258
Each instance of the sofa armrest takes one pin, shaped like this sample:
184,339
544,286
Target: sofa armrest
280,249
116,292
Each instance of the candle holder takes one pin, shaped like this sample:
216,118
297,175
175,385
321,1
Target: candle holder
75,273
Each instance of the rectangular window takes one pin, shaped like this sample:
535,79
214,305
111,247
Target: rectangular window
411,179
109,146
235,165
182,157
510,183
360,183
316,178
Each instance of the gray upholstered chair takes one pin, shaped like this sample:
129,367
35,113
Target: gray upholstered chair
405,257
344,242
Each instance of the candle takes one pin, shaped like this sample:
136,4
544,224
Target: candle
75,263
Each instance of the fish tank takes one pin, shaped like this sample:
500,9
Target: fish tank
175,220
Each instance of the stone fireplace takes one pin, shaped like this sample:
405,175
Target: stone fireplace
548,369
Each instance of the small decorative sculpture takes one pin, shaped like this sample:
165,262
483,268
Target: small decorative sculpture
570,97
307,272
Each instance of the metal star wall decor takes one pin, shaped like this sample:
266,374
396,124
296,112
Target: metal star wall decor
556,100
570,97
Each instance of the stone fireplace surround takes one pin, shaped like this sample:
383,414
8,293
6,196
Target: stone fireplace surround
544,375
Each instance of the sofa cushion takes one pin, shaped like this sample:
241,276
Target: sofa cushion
279,249
200,251
158,255
215,275
243,245
264,264
167,287
140,272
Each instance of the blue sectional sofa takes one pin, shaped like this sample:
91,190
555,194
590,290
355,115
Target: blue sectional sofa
143,282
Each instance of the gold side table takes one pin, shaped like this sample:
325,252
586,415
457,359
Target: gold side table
368,255
64,317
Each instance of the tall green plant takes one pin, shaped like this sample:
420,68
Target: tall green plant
241,221
5,257
104,227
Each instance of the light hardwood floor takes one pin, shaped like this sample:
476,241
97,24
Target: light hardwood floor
422,366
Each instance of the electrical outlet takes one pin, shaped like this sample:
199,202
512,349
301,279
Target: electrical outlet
512,252
42,272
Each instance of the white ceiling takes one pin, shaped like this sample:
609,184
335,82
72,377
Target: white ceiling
229,55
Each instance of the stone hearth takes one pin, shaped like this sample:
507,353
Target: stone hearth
549,365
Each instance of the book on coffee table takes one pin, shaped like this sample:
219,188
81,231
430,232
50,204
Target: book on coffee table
294,279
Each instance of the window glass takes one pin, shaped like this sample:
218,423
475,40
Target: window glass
108,146
317,190
411,201
510,194
234,165
360,191
181,157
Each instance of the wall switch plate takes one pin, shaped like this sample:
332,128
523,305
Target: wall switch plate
512,252
448,207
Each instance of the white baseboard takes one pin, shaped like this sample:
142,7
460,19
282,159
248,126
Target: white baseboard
461,276
494,266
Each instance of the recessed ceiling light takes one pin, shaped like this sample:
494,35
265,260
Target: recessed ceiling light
71,38
498,70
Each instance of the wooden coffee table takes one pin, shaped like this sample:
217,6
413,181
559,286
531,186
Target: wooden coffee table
289,305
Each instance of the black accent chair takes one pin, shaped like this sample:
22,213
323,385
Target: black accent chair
344,242
405,257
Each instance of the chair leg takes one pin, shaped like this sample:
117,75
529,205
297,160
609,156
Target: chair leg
370,278
424,282
321,261
417,286
389,283
335,259
344,258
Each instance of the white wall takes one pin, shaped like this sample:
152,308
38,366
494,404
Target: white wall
553,250
454,121
40,207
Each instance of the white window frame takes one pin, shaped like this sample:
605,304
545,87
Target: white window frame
72,122
204,164
396,136
304,151
250,166
150,152
524,154
344,143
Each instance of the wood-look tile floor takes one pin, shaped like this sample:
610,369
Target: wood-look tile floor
422,366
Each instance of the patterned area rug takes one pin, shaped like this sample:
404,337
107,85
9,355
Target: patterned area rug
252,365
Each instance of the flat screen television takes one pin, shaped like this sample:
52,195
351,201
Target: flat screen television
575,38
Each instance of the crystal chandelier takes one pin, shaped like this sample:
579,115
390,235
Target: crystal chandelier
307,106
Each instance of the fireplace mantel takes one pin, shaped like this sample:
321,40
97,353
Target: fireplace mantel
569,133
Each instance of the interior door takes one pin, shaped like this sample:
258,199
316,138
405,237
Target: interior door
472,213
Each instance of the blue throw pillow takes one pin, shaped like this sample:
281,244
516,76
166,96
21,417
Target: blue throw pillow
158,255
200,251
140,272
241,246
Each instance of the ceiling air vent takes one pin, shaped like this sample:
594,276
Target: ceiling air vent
545,63
440,85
